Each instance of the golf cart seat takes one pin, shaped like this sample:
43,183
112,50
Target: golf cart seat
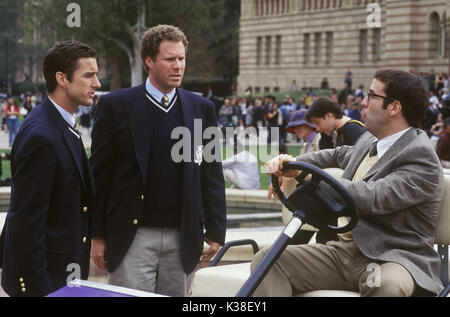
263,237
227,280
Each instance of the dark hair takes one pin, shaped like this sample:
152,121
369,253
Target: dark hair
447,122
63,57
409,90
321,107
153,37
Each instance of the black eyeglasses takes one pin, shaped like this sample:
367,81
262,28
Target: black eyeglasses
371,94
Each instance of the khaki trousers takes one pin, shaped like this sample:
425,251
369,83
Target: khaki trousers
338,265
153,263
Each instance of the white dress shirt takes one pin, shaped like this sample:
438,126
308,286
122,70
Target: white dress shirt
384,144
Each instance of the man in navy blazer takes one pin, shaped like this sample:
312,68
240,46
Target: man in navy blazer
46,239
152,213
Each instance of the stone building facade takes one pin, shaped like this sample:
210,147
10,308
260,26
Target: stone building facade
307,40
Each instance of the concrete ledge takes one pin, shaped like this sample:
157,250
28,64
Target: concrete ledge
251,199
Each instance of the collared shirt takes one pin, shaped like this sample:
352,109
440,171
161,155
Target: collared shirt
384,144
67,116
155,93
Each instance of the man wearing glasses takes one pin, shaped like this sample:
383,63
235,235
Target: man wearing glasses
397,183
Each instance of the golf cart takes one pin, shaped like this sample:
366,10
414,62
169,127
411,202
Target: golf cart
310,204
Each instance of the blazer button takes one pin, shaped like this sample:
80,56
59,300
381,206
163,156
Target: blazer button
21,279
24,289
142,197
22,285
135,221
85,209
84,239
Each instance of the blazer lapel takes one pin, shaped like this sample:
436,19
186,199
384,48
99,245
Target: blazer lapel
360,154
187,113
89,178
139,130
393,151
70,139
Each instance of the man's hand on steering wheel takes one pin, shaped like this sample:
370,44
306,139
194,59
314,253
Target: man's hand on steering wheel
275,166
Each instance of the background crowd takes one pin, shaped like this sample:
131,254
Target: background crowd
14,109
269,111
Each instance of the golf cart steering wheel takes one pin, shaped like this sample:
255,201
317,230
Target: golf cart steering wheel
315,206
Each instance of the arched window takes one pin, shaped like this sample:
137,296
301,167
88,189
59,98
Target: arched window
435,36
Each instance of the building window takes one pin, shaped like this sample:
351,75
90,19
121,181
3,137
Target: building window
435,44
363,46
318,47
268,49
376,45
266,89
330,45
258,50
444,36
441,41
306,49
278,50
257,90
276,89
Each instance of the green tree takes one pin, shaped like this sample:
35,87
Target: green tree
115,28
9,43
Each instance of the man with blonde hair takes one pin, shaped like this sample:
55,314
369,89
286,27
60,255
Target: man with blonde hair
151,210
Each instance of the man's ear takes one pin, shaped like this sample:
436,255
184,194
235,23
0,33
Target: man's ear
149,62
395,108
61,79
329,116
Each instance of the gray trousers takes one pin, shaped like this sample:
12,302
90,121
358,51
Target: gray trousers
338,265
153,263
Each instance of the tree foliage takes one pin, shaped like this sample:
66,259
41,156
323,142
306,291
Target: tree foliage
10,50
114,27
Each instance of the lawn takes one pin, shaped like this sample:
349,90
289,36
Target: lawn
262,156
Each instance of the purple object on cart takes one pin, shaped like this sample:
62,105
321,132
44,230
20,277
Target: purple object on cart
80,288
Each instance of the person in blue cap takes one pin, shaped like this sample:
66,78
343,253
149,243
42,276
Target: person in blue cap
307,131
304,130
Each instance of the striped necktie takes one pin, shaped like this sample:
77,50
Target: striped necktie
165,101
373,149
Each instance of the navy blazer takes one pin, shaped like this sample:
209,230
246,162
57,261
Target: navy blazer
120,152
46,228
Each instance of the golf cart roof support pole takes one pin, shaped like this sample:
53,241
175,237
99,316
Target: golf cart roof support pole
269,259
